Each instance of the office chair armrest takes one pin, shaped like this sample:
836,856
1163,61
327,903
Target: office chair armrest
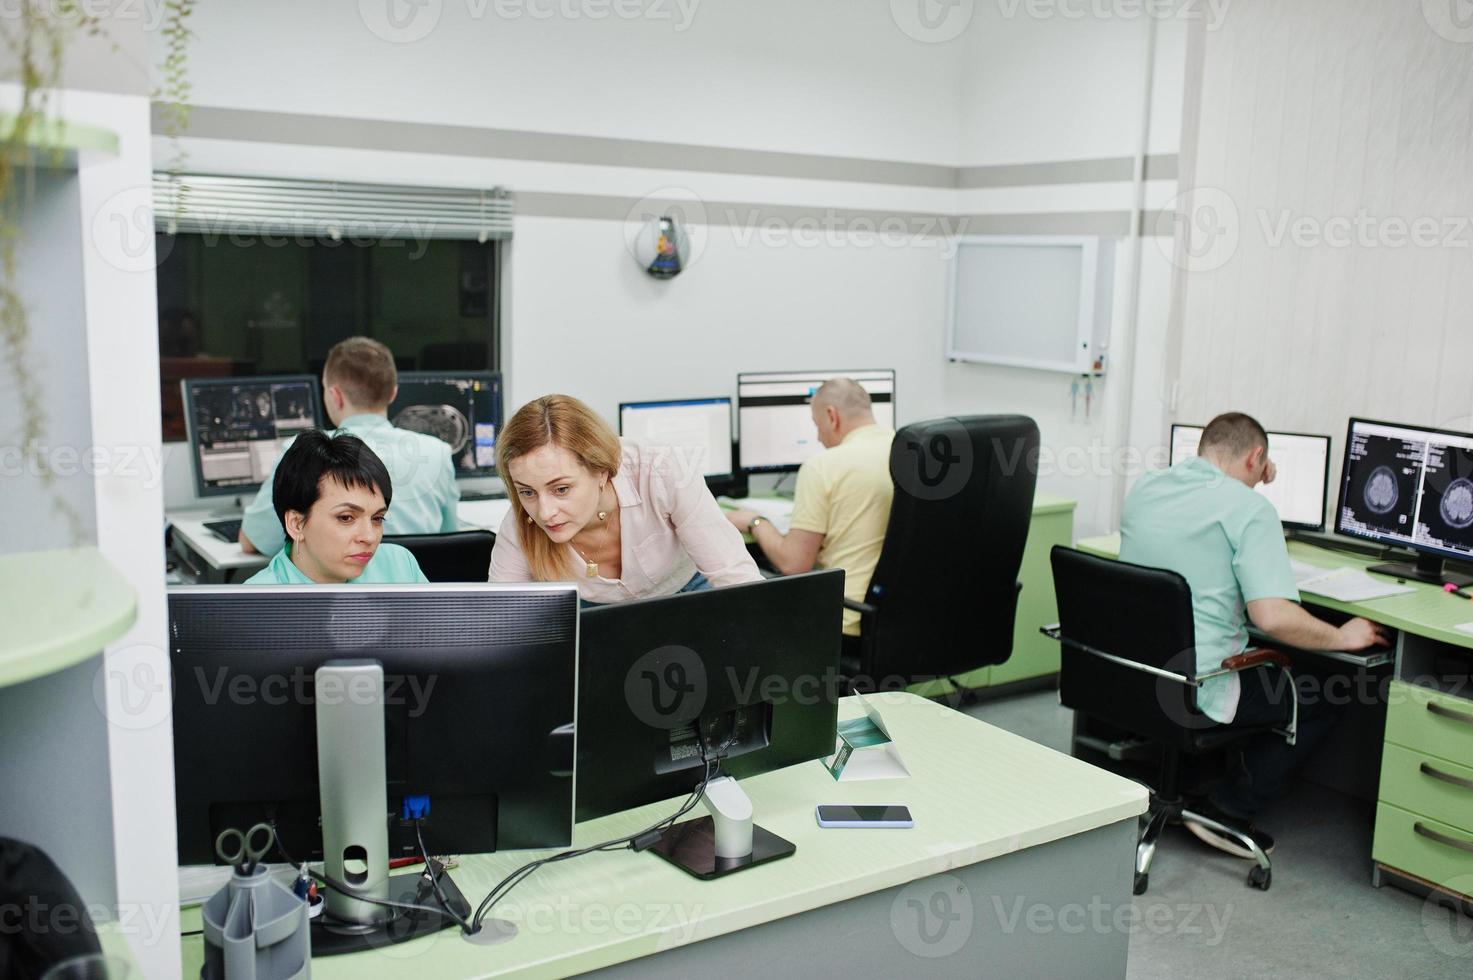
1255,658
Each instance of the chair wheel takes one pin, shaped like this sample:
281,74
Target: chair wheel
1259,878
1141,880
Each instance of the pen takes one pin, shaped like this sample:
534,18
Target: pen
1454,590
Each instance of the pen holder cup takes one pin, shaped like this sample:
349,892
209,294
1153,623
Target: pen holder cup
255,928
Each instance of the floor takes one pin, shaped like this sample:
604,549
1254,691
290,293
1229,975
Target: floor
1321,917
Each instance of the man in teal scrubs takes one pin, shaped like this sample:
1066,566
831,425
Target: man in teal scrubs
1202,519
359,381
332,494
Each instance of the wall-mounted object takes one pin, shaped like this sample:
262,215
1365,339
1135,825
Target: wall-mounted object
1037,301
662,247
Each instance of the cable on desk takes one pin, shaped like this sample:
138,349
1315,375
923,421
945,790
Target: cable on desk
646,838
434,876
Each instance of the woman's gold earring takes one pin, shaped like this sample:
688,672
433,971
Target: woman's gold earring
529,518
603,515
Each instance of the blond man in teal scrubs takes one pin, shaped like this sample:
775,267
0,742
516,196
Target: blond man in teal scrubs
331,494
1202,519
359,381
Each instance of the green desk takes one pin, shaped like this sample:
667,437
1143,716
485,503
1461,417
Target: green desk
1007,831
1424,800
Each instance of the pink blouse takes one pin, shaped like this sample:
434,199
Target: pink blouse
670,528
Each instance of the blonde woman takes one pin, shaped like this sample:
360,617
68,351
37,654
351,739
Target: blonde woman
624,520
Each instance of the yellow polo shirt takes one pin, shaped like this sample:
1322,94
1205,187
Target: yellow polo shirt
844,494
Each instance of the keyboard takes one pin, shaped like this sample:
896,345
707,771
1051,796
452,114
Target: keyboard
227,531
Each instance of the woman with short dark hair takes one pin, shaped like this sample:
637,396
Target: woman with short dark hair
331,494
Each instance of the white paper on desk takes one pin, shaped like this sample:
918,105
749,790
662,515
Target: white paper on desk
775,509
1464,628
1351,585
483,513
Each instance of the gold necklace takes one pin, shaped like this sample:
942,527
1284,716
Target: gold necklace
591,566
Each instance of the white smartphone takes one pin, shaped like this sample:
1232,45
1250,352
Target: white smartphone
892,815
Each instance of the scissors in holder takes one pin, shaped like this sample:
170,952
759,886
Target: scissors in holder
240,849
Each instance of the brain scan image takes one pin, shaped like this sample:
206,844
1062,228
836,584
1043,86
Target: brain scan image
445,422
1381,493
1457,504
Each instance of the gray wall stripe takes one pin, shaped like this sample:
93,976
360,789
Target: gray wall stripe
753,217
211,122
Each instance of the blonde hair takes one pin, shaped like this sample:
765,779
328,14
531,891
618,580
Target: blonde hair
565,422
364,369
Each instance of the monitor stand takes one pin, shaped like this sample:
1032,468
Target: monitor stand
1427,568
725,842
352,781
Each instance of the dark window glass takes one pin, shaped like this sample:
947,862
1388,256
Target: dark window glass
240,306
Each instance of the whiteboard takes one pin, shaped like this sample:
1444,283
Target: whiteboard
1027,301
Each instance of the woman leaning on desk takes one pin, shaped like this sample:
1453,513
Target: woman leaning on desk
623,519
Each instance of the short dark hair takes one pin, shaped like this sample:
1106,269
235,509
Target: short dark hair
1233,433
364,369
315,454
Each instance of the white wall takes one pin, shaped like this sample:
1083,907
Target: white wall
1315,116
829,78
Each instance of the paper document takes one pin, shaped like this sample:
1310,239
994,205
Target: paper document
775,509
1303,571
483,513
1351,585
1464,628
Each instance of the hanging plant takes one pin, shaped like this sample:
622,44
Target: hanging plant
37,41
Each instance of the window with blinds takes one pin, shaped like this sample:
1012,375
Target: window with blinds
263,276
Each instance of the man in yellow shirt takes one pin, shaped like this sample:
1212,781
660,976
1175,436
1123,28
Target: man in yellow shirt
842,503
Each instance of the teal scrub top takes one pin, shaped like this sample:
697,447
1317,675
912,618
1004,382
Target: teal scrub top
1225,539
391,564
420,468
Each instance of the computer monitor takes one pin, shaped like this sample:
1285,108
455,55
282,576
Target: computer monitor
775,427
461,408
238,426
1300,487
477,709
1409,486
751,669
696,431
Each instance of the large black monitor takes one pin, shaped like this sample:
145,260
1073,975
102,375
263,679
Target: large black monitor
695,431
476,711
1302,483
748,674
461,408
238,426
1409,486
775,428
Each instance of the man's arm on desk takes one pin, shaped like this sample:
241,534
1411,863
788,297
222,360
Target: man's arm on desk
789,553
1290,625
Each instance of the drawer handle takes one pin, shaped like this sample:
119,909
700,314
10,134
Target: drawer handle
1430,834
1446,777
1438,709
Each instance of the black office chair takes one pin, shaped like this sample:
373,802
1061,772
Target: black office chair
457,556
1128,658
944,593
